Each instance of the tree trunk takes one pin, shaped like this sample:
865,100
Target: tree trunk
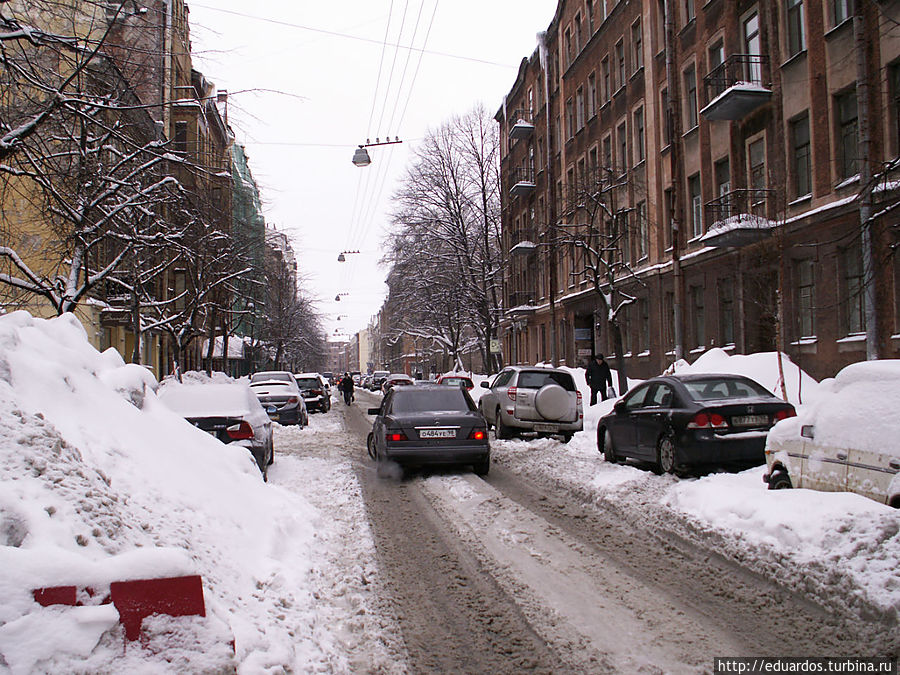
620,357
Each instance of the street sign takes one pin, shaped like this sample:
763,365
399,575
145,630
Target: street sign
495,346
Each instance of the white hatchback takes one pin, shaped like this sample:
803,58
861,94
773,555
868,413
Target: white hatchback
847,440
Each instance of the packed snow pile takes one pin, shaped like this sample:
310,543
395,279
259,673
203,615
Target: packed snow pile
99,482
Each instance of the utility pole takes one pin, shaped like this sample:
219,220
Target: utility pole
551,200
864,162
677,168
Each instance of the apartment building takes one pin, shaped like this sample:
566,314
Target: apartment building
714,174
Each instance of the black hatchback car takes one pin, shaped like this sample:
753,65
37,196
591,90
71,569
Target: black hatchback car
428,425
681,421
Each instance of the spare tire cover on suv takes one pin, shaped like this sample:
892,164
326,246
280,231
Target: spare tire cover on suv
553,402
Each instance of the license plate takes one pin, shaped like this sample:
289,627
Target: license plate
552,428
437,433
749,420
271,410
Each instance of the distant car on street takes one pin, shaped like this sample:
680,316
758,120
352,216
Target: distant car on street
533,399
429,425
314,390
395,379
280,396
229,412
455,380
678,422
847,440
378,378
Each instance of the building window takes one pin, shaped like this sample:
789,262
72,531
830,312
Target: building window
840,11
181,142
592,162
894,106
607,155
642,231
723,177
668,207
569,47
579,108
570,117
698,319
796,37
690,97
696,206
669,321
637,46
577,34
726,311
756,155
639,142
643,308
716,59
590,18
848,142
800,157
806,325
752,47
689,12
592,96
665,117
852,291
605,90
623,148
620,62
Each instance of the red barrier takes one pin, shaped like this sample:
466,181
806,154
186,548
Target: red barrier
54,595
175,596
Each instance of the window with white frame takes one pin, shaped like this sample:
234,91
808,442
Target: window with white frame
722,170
637,46
623,148
642,230
698,316
801,164
695,201
852,290
847,132
806,277
579,108
605,84
592,95
840,11
795,26
690,97
639,142
620,63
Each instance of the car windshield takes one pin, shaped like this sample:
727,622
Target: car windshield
714,388
535,379
308,383
431,400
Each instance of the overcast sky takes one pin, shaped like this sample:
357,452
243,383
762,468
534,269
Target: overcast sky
310,80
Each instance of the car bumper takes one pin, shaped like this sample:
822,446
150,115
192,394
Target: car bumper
545,427
707,448
291,416
437,456
316,403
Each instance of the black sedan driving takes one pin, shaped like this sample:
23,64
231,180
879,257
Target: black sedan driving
429,425
677,422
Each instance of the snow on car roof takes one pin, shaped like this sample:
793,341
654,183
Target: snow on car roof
206,400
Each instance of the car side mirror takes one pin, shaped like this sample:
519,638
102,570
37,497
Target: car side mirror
484,383
808,431
619,407
374,411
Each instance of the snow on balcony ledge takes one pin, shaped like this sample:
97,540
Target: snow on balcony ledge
855,337
744,228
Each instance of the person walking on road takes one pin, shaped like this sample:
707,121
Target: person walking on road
346,387
598,377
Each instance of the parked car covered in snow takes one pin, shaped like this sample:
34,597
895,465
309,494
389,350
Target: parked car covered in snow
314,390
230,412
428,425
676,422
847,440
280,396
395,379
528,398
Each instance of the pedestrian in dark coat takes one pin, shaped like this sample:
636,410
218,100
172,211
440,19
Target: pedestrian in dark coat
598,377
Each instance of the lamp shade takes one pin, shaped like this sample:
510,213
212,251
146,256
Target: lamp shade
361,157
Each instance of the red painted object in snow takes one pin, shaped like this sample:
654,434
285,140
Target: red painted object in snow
54,595
175,596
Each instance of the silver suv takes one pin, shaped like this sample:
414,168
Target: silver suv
531,398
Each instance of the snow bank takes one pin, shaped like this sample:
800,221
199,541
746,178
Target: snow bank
101,482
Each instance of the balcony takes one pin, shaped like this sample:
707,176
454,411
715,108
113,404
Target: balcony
739,217
736,88
522,180
521,303
522,126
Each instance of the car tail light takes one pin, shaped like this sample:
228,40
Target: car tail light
292,399
784,414
704,420
397,436
511,392
477,435
315,392
239,432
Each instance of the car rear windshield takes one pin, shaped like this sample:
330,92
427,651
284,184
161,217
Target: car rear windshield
715,388
308,383
271,377
535,379
431,401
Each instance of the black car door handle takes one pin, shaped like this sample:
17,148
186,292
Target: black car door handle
842,455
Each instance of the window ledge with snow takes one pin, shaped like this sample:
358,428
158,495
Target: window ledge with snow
644,353
801,200
847,183
854,337
698,350
809,340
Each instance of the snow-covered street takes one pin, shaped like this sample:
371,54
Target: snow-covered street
100,483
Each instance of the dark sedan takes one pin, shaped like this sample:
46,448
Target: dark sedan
681,421
230,412
429,425
280,396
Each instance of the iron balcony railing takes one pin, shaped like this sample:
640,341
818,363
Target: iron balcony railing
744,202
520,299
737,69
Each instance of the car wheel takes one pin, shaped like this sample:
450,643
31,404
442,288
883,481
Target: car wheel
566,437
665,454
481,412
608,449
503,432
482,468
370,446
780,481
